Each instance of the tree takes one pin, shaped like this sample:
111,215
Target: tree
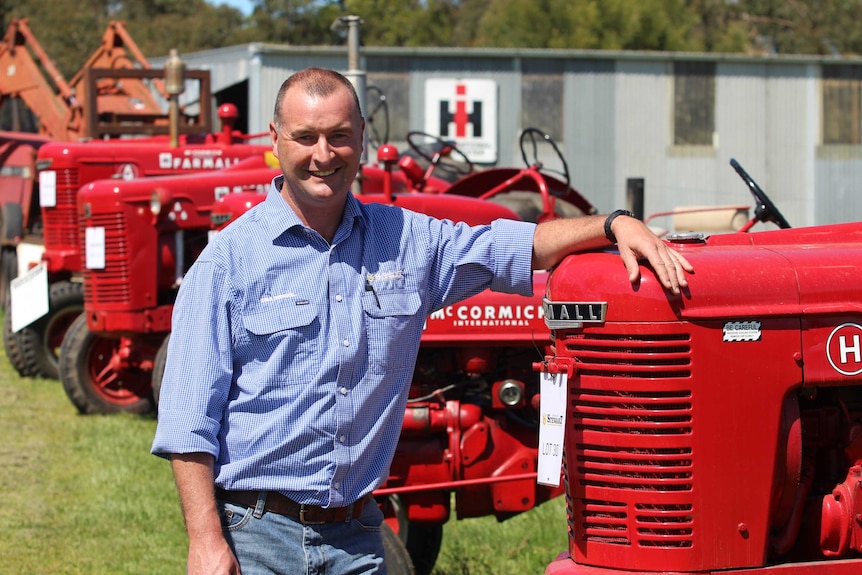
406,23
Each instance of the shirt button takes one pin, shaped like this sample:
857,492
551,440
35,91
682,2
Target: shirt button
346,343
341,439
343,391
338,297
336,485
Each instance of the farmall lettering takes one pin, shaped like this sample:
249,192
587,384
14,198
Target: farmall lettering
195,160
844,349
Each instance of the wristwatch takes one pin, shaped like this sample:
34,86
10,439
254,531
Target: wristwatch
610,219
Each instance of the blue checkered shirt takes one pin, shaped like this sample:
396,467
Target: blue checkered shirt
290,359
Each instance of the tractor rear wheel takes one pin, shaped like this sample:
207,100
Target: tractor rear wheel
40,342
106,375
397,558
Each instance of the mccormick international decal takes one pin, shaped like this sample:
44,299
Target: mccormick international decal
489,315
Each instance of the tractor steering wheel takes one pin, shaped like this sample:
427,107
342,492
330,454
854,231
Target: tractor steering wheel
530,138
438,150
378,113
765,210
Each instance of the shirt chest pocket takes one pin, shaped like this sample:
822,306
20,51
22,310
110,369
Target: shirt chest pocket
393,327
282,331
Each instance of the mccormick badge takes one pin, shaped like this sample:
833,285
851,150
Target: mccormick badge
552,427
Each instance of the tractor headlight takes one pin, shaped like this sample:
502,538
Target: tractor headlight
510,393
159,199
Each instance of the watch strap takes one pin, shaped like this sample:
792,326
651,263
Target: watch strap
610,219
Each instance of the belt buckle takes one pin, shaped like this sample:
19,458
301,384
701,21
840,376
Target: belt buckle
302,509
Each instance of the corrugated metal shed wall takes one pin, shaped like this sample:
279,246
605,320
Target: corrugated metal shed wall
617,120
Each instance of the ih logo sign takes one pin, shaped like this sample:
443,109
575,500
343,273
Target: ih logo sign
844,349
464,111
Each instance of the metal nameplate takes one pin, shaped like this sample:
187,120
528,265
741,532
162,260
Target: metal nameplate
561,315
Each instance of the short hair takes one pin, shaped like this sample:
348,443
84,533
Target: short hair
315,82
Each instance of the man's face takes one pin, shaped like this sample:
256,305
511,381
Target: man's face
318,144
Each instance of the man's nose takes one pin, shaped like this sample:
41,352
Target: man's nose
322,150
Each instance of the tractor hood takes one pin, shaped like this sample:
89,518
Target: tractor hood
790,272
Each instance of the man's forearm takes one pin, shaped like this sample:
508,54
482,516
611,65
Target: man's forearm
555,239
193,473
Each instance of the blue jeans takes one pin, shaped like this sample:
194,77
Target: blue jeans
272,544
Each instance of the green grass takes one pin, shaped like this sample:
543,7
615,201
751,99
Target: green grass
82,495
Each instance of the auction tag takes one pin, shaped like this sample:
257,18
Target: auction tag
552,427
94,244
28,297
48,188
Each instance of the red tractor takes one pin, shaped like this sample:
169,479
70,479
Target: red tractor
470,426
720,430
86,133
65,167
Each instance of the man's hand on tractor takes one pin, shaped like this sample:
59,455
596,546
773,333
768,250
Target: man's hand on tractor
635,240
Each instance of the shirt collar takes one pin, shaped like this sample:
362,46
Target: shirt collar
279,216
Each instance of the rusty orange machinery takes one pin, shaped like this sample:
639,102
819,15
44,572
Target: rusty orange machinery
26,72
113,94
718,431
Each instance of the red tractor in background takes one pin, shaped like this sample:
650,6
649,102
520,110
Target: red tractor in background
470,426
108,97
720,430
113,126
65,167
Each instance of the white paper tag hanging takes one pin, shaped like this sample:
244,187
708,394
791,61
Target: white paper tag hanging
29,297
552,427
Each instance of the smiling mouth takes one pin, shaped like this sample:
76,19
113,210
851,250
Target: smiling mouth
322,173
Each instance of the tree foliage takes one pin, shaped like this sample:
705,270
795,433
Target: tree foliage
70,30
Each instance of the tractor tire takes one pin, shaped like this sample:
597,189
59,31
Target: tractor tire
423,545
159,369
40,341
396,557
11,221
528,205
8,272
91,379
12,346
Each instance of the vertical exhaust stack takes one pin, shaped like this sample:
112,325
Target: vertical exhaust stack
175,84
356,76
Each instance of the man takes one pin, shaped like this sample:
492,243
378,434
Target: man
295,335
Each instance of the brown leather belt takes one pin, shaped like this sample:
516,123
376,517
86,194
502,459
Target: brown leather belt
305,514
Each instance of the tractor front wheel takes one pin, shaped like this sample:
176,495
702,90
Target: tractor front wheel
39,343
396,557
106,375
13,350
422,541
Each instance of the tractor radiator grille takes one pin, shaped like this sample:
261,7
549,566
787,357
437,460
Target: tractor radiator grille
630,466
109,285
641,355
60,222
